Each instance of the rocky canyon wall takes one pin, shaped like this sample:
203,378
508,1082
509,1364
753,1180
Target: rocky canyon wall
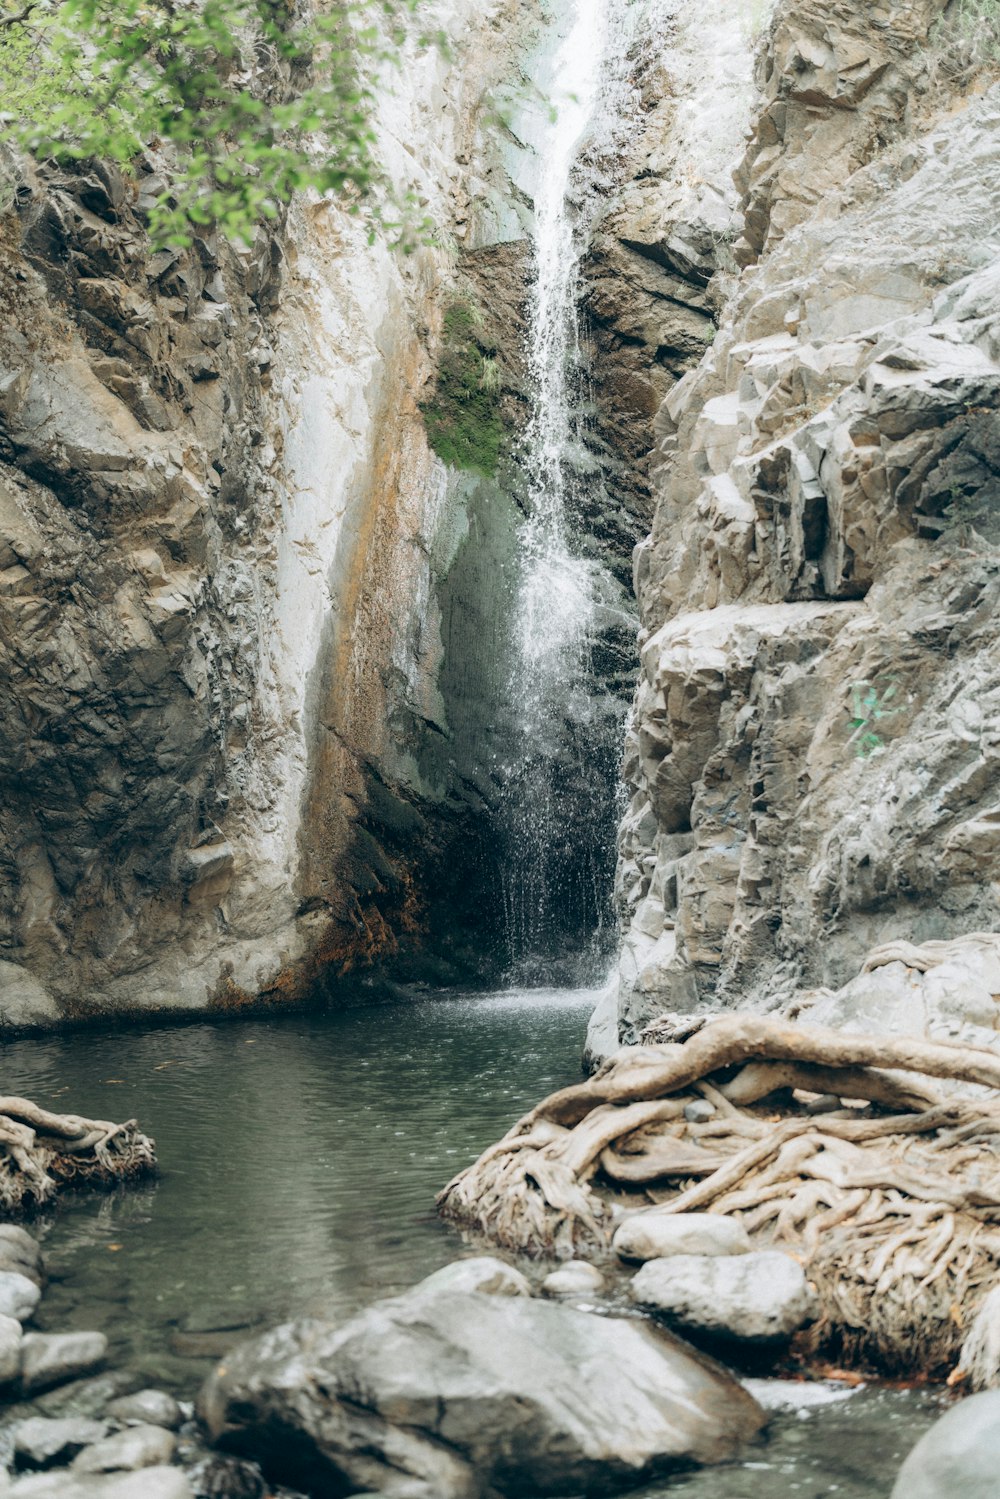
224,605
813,755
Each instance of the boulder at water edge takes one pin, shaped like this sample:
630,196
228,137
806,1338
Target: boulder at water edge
443,1395
761,1297
959,1458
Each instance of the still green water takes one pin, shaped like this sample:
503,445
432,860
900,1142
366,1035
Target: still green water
300,1158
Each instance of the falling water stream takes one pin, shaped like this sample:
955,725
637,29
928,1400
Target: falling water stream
561,786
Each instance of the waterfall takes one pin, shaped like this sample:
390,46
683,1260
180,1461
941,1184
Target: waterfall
560,786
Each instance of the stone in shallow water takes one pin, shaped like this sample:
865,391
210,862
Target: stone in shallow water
484,1273
761,1297
575,1278
41,1442
446,1395
148,1408
959,1458
151,1483
655,1234
51,1358
135,1447
18,1295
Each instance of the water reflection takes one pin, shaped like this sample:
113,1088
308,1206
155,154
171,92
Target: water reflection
300,1159
300,1162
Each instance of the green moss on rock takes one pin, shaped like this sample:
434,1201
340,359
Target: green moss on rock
464,421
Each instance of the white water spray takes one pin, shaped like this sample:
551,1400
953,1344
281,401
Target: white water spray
556,602
560,790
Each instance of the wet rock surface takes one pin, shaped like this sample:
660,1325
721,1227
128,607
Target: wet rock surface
453,1395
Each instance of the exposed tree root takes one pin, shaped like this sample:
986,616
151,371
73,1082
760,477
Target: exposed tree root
893,1203
41,1152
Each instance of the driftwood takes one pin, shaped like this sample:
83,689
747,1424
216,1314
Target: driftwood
892,1203
41,1152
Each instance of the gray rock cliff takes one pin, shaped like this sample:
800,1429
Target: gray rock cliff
812,755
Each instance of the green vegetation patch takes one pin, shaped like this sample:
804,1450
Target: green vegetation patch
254,99
465,425
971,28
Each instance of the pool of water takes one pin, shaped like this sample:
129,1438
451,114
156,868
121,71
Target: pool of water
300,1158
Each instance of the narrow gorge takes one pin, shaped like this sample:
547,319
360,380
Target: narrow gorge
501,706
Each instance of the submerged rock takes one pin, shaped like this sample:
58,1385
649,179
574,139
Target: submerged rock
437,1395
87,1397
959,1458
761,1297
657,1233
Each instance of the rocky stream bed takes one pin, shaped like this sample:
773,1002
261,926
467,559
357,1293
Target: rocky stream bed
561,1384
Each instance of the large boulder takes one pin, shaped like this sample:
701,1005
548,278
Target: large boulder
959,1458
445,1395
761,1297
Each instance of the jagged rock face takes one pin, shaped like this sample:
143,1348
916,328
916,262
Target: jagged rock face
813,752
133,481
667,230
215,491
